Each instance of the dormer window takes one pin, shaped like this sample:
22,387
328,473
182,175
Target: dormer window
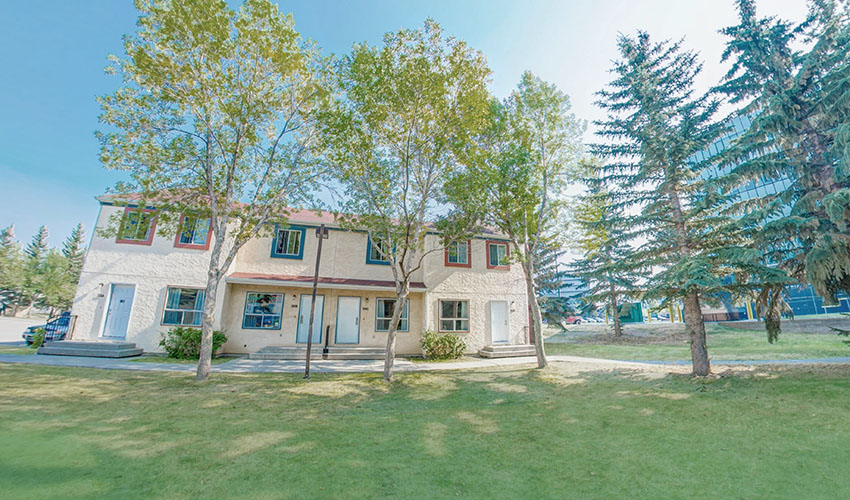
194,232
137,227
289,242
459,254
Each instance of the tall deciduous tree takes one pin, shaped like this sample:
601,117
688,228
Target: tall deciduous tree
216,117
799,101
521,166
654,128
403,111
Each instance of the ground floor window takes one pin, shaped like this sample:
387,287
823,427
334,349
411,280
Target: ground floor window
183,307
263,311
384,315
454,315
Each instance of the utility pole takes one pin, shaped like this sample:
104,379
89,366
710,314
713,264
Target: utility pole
322,234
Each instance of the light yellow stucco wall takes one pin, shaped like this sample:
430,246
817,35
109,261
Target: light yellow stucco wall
479,286
343,255
152,269
251,340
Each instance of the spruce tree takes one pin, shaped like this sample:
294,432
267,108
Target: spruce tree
799,101
550,276
11,269
35,255
653,130
605,266
74,251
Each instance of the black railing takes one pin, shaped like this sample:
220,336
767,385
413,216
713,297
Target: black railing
60,327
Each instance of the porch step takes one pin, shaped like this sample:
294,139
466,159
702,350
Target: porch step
506,351
286,352
97,349
354,352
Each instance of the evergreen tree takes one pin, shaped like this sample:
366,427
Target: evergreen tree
654,128
75,253
549,272
605,266
54,284
800,104
35,254
550,275
11,269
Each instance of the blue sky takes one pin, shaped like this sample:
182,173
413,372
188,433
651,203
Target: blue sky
54,54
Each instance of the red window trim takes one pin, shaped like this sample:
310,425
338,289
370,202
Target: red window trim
190,246
507,254
468,256
146,242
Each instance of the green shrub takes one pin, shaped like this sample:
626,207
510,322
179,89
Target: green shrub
446,346
38,338
185,343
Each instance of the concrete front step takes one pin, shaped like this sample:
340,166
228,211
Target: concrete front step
507,351
354,352
286,352
96,349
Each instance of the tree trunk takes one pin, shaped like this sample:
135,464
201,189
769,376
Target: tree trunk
615,308
205,358
695,326
389,359
536,323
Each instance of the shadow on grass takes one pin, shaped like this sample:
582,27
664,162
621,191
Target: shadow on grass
505,433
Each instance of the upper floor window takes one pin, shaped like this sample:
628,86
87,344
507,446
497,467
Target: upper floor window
137,226
377,251
454,315
183,307
263,311
497,255
194,232
289,242
384,310
458,254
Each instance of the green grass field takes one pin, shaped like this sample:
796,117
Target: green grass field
520,433
724,343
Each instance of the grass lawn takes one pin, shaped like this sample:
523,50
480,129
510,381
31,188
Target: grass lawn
724,343
16,349
519,433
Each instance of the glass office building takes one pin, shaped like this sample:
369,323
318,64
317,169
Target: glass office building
801,298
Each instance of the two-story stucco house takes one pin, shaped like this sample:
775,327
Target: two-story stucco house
139,285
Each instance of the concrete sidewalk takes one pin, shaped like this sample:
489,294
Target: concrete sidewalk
245,365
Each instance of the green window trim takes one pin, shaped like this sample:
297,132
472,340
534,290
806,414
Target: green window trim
288,242
263,311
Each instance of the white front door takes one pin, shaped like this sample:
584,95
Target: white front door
348,320
304,319
499,321
118,312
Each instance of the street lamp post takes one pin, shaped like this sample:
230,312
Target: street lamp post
322,234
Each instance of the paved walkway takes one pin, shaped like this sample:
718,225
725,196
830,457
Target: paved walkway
245,365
